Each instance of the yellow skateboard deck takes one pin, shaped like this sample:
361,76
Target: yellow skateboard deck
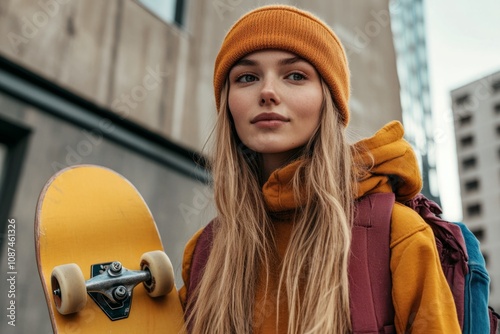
91,216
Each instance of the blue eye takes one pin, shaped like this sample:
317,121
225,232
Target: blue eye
246,78
296,76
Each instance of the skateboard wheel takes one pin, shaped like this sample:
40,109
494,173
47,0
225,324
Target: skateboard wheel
162,273
68,280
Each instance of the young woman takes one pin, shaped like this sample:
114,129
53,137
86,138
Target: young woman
285,183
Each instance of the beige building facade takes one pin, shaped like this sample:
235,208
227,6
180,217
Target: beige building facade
476,111
111,83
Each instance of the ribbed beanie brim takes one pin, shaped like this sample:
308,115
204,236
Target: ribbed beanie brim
290,29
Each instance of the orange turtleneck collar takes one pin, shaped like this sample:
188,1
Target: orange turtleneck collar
278,190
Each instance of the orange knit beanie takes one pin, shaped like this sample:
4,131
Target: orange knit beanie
293,30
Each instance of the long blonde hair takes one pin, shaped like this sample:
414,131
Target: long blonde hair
314,268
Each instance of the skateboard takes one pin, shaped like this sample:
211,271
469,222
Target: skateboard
100,257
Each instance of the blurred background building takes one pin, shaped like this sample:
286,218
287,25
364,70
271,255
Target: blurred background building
476,111
408,27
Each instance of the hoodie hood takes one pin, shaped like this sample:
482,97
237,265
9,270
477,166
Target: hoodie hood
388,163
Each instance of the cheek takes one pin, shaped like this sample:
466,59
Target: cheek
238,103
309,106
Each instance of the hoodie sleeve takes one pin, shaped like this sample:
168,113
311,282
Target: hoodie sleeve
422,299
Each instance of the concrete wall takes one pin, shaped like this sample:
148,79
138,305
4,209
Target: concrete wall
116,54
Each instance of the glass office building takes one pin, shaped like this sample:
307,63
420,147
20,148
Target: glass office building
408,26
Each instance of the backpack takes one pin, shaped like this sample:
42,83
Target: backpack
457,246
371,305
476,288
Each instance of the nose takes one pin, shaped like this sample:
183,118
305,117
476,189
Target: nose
269,94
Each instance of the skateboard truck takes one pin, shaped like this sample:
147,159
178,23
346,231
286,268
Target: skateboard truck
111,285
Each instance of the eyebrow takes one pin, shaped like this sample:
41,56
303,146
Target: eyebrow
292,60
245,62
284,61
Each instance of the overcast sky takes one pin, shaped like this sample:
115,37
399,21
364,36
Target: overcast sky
463,40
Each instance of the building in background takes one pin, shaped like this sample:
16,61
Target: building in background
476,112
170,11
408,26
127,84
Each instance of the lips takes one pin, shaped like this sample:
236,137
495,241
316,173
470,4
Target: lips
266,117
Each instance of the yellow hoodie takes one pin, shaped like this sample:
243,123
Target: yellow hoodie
421,296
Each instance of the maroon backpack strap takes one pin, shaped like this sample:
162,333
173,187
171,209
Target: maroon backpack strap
370,281
198,263
200,256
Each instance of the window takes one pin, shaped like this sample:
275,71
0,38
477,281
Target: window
461,100
497,108
467,141
496,86
472,185
469,163
465,119
13,144
171,11
474,210
478,233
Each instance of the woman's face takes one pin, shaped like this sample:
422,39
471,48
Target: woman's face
275,100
